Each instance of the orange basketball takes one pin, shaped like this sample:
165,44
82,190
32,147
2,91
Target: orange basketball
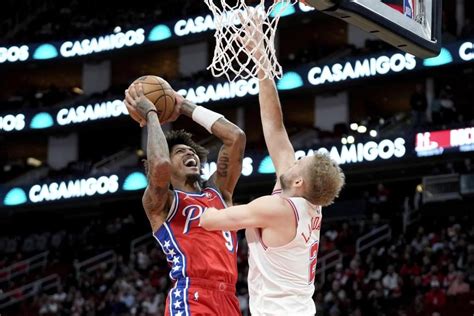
160,93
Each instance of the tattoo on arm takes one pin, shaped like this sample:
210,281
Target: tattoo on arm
223,163
187,108
157,147
231,154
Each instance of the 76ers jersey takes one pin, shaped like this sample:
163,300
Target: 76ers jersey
191,251
281,279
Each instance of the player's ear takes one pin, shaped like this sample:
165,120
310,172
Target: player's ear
298,182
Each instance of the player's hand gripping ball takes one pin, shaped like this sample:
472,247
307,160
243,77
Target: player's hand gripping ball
159,93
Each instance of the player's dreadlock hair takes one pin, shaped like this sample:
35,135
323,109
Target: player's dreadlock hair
181,137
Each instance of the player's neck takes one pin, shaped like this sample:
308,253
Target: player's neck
291,192
193,187
287,193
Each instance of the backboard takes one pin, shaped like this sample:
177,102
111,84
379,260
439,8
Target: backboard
413,26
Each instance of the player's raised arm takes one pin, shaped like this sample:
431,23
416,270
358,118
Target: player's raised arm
229,160
257,213
157,195
276,138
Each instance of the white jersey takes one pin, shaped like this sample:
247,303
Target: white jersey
281,279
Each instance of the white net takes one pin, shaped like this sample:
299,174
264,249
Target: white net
245,34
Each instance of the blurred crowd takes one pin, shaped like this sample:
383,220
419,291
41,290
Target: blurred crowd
54,20
64,245
426,270
429,271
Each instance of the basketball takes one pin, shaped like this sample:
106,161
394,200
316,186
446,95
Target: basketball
160,93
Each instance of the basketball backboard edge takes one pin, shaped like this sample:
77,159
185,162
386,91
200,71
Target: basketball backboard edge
387,27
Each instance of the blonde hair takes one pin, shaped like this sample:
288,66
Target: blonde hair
325,180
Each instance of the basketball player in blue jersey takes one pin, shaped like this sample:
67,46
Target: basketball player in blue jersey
203,263
282,229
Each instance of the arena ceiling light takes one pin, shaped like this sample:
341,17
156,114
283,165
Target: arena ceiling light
77,90
30,161
354,126
350,139
362,129
373,133
419,188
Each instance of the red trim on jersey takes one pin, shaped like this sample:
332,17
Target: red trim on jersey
293,206
259,233
218,194
174,207
278,191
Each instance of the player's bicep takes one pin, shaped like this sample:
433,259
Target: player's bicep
155,202
158,174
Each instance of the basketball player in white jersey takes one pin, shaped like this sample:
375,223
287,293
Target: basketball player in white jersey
283,228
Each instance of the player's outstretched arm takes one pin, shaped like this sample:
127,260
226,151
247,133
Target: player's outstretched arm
231,154
276,137
157,194
262,212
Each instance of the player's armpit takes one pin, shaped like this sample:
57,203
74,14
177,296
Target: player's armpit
261,212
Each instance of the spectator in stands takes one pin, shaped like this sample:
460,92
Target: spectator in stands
420,241
151,304
450,276
374,274
376,296
336,295
448,109
435,299
143,261
459,286
339,272
433,274
410,268
418,105
345,238
391,283
48,306
355,274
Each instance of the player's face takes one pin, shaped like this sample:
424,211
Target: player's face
296,171
185,162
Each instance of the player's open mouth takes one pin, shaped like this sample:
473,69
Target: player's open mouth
190,162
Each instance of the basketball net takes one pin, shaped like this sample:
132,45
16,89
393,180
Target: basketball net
236,24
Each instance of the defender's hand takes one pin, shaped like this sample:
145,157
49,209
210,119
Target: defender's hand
253,37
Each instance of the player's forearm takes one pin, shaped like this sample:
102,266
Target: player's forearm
276,138
187,108
213,219
270,107
158,156
227,132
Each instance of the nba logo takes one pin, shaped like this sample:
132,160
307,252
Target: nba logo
409,8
